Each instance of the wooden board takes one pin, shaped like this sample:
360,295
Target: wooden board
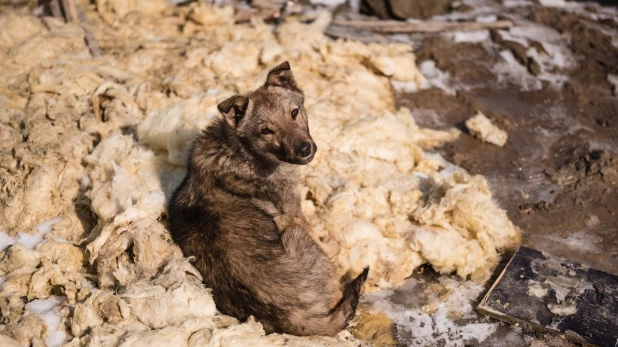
552,295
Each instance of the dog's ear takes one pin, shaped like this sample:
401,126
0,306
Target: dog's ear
281,76
234,109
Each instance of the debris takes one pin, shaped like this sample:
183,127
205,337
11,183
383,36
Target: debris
568,299
482,128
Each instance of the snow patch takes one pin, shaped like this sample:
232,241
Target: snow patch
442,321
30,241
46,227
5,240
510,70
85,182
613,79
48,311
553,56
517,3
406,87
562,309
556,3
471,36
578,241
328,3
435,77
487,18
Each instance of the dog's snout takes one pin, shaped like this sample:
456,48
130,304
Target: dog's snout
304,150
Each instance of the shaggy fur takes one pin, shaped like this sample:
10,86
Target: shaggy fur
238,213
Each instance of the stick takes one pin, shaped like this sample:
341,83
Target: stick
54,7
91,41
337,31
70,12
427,27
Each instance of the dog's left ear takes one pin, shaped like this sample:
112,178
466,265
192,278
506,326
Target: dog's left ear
281,76
234,109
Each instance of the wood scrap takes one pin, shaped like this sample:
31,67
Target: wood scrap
336,31
91,41
267,10
55,9
70,12
392,27
551,295
244,15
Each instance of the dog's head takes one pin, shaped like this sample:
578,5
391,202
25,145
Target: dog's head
271,122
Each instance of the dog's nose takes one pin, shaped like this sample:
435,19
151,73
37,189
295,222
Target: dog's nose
304,150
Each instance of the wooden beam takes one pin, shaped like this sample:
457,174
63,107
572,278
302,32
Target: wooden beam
392,27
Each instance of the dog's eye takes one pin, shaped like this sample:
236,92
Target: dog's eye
294,113
267,131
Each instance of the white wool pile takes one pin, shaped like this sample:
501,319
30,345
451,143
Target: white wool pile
112,134
482,128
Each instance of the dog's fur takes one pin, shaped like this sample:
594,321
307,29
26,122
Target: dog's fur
238,213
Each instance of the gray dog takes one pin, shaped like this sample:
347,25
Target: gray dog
238,213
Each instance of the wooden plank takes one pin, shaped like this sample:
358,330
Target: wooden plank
389,26
337,32
552,295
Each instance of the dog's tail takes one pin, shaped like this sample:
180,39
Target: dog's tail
345,309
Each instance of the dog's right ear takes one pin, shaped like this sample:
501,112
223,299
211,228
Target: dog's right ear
234,109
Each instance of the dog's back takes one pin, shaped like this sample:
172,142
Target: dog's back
282,278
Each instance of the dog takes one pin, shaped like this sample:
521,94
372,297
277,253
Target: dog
238,213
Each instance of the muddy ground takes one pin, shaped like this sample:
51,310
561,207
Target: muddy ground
557,175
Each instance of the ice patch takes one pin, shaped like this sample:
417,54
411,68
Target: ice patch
48,311
441,321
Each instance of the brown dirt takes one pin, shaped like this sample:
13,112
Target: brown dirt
557,176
